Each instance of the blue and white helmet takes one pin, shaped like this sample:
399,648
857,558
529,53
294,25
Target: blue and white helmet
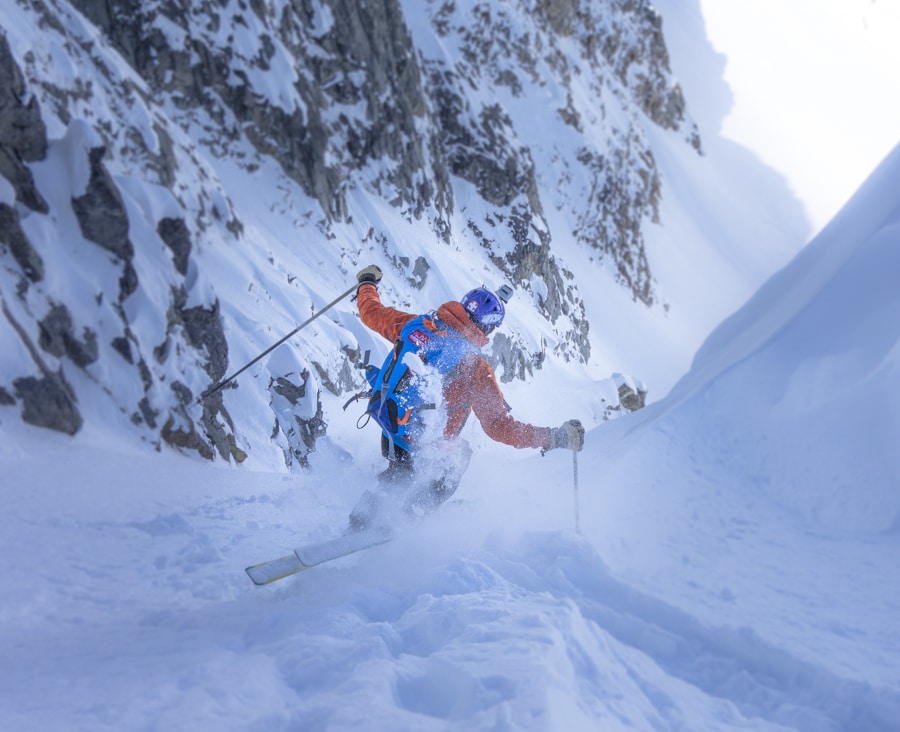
484,308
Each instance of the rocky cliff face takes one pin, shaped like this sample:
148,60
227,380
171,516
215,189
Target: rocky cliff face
139,142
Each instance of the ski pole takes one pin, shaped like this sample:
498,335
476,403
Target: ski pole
212,390
575,476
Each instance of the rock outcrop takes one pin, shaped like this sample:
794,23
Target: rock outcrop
198,165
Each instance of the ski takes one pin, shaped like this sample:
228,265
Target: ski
314,554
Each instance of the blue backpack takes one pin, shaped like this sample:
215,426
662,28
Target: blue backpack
396,398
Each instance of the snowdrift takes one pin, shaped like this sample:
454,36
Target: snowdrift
807,372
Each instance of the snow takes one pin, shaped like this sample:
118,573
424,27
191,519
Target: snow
736,567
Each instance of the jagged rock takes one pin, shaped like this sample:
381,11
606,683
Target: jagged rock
175,235
21,126
358,107
623,395
19,175
561,15
621,36
180,431
101,212
613,220
128,281
23,135
49,402
147,412
419,273
362,56
185,437
632,394
203,331
203,327
56,338
415,275
122,346
221,438
23,252
510,361
298,415
342,379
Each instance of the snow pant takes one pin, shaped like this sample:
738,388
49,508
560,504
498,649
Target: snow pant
407,487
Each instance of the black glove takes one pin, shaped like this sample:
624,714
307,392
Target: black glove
569,435
371,275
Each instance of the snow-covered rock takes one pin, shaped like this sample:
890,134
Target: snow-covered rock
185,183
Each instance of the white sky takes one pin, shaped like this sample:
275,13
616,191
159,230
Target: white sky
816,86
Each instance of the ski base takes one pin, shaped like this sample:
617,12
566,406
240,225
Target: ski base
311,555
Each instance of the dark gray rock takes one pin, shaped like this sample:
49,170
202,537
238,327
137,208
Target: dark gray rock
101,212
147,413
122,346
419,273
58,339
185,438
204,331
179,429
21,127
20,247
23,135
128,281
175,235
49,402
19,175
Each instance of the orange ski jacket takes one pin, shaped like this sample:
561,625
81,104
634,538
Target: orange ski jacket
472,387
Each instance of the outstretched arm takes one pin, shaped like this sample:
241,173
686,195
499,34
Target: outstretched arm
490,408
382,319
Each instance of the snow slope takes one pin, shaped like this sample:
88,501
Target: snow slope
732,572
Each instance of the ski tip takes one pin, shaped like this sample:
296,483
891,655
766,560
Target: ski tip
255,577
276,569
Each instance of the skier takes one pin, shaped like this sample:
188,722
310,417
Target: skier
450,340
